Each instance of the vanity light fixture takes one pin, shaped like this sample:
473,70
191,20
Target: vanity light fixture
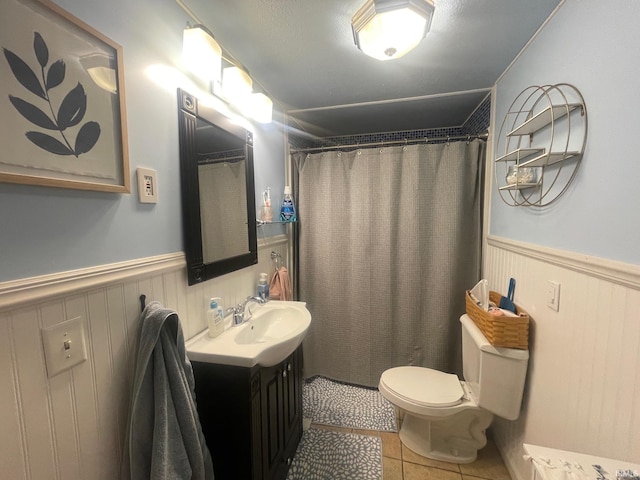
388,29
202,55
261,108
236,86
237,89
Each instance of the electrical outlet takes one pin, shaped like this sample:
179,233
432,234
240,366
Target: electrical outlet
64,345
553,295
147,185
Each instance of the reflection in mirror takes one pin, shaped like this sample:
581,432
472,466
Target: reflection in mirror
216,158
223,195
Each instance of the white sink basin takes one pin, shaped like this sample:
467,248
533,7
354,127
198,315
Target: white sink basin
273,333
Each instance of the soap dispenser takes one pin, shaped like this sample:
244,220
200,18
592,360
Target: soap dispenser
263,287
215,318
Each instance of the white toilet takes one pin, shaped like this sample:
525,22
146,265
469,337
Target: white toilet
445,418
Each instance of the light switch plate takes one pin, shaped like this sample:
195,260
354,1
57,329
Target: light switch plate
64,345
147,185
553,295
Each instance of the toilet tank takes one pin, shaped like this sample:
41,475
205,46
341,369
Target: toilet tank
495,375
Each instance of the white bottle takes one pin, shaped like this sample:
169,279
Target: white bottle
263,287
215,318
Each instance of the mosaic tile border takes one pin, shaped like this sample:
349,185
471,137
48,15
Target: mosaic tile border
476,124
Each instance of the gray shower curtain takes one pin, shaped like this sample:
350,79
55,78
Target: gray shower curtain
389,240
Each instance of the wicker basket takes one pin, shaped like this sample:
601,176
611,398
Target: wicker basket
501,331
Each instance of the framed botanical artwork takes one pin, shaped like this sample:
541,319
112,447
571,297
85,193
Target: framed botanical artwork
62,103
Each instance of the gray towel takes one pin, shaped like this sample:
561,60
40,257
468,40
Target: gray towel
164,437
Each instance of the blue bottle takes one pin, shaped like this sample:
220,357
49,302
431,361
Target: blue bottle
288,210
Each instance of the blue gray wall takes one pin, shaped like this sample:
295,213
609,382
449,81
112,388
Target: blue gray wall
47,230
593,46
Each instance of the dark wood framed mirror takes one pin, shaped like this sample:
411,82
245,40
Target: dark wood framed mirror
218,191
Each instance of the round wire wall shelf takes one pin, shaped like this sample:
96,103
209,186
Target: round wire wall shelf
543,136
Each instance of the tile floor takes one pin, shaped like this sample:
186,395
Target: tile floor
400,463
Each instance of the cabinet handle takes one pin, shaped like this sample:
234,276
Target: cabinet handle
289,366
289,461
284,373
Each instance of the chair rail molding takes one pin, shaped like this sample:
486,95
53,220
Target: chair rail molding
621,273
16,293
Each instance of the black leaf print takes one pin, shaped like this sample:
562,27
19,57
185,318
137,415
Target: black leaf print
70,112
55,75
72,108
50,144
24,74
42,52
33,113
87,137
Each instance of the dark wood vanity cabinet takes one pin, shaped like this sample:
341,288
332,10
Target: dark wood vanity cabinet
251,417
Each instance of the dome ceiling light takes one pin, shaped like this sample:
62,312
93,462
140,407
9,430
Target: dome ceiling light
388,29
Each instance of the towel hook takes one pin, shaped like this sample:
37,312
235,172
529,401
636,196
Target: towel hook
276,257
143,300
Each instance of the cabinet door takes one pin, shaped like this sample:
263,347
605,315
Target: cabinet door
292,391
281,402
272,420
256,429
228,402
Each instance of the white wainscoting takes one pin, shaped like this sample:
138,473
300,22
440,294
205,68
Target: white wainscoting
72,426
583,386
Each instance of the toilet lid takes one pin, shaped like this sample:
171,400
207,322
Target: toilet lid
424,386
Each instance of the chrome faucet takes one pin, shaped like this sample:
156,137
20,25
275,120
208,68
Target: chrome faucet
239,310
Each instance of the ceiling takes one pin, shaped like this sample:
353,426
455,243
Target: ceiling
302,54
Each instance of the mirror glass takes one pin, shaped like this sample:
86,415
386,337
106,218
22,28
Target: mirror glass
216,159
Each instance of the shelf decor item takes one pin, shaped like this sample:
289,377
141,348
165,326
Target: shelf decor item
520,175
543,135
62,98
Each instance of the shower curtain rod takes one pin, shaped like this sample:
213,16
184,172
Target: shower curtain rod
425,140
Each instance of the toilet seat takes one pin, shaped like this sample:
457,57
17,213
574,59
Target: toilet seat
423,386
